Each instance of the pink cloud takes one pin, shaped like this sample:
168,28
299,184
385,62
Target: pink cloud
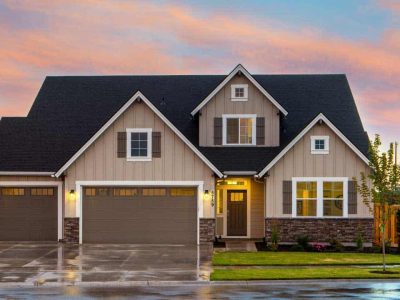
136,38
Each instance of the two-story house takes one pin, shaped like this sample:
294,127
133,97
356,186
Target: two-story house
182,159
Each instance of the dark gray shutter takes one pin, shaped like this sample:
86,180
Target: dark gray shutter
217,131
352,197
121,144
156,144
260,131
287,197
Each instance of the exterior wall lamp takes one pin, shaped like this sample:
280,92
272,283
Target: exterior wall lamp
72,195
209,197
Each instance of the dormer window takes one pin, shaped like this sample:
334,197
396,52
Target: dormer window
239,92
319,144
239,130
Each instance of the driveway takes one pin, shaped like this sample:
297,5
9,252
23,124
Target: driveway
41,263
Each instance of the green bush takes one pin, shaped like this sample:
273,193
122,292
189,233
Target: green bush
304,242
297,248
336,245
360,243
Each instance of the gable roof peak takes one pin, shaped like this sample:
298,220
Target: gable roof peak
239,68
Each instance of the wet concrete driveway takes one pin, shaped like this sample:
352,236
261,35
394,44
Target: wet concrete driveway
41,263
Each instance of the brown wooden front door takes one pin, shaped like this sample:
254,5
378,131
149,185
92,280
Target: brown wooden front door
237,212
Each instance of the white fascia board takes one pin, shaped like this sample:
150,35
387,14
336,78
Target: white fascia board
238,68
240,173
137,95
17,173
320,117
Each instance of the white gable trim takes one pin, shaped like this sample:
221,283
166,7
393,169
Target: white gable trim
138,95
320,117
239,68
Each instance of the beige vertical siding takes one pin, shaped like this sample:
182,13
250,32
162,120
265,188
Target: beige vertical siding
28,178
177,163
257,210
299,162
221,104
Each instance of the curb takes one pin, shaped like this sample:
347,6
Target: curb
191,283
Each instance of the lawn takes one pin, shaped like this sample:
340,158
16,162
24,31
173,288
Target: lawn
300,259
300,273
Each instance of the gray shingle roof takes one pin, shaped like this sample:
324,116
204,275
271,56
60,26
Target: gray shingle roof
68,111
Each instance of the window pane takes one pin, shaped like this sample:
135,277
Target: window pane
135,136
139,144
306,190
333,190
246,129
125,192
90,192
232,131
333,208
220,206
237,197
239,92
135,152
154,192
319,144
13,192
307,208
188,192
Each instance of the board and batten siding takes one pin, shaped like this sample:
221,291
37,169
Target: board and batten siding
257,210
299,162
221,104
28,178
100,162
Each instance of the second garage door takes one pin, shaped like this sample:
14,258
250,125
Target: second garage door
144,215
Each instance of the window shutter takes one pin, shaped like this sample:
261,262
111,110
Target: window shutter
121,144
287,197
352,197
156,144
260,131
217,131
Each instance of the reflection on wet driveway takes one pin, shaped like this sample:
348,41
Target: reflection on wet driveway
38,263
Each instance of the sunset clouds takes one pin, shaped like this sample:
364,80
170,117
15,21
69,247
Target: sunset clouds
42,38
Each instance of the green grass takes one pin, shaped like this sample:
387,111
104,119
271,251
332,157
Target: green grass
300,273
300,259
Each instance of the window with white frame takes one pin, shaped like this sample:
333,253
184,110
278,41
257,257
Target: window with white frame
319,144
239,129
239,92
320,197
139,144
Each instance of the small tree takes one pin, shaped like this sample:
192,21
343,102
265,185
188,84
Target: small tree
384,191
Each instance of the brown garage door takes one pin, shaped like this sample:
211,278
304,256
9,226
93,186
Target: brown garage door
139,215
28,214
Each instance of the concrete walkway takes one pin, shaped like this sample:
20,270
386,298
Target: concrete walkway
52,263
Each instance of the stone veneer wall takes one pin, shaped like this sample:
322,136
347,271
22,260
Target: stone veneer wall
71,230
207,230
321,230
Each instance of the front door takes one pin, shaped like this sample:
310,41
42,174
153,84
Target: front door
237,213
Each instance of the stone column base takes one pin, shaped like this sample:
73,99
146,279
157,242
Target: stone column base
207,230
71,230
320,230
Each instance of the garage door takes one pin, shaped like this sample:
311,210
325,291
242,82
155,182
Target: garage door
28,214
139,215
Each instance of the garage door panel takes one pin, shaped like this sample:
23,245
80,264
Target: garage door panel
140,219
28,218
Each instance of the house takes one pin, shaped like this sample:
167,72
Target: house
182,159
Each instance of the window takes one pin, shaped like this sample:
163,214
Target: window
186,192
139,144
306,199
239,92
154,192
239,129
125,192
319,144
220,202
42,192
13,192
90,192
320,197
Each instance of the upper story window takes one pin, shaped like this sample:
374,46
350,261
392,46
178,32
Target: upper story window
239,92
239,129
139,144
319,144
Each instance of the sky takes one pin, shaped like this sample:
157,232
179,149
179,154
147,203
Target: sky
360,38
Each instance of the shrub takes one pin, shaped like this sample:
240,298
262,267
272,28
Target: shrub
274,238
297,248
360,243
318,247
303,241
336,245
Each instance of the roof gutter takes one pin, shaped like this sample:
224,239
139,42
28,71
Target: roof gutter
17,173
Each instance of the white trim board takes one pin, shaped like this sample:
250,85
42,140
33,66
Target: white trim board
57,184
320,117
79,193
138,95
239,68
17,173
